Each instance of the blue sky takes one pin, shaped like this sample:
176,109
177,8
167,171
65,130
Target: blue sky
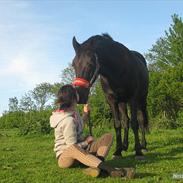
36,36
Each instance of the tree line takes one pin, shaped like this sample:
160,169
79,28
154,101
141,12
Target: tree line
165,99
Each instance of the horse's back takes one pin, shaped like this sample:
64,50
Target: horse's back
139,56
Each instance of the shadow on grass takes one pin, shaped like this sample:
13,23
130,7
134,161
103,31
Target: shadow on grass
150,158
157,152
144,175
169,142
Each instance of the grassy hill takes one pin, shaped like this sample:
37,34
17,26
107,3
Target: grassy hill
30,159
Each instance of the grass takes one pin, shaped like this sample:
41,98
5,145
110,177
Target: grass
30,159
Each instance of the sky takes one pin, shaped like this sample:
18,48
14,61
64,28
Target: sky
36,36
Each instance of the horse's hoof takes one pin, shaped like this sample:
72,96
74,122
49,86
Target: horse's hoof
116,157
140,157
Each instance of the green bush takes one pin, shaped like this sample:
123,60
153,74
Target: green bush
27,122
35,122
11,120
162,122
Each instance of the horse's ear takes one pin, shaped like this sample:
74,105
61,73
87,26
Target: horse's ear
75,44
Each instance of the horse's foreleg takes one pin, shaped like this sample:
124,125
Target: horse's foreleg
118,151
117,126
126,130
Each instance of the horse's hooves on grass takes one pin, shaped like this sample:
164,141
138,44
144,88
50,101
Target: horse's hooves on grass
116,157
140,157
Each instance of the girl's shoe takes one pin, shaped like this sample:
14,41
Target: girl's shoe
129,172
93,172
123,172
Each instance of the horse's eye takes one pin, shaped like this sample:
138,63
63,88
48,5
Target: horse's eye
89,64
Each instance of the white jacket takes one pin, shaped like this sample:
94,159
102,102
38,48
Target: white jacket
68,127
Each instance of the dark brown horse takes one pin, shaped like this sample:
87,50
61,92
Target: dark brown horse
124,79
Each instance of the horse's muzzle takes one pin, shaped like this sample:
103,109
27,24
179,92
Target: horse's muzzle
83,95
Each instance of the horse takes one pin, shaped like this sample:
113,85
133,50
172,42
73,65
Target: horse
124,80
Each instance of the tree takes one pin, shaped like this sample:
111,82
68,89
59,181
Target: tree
42,94
167,52
68,75
55,87
27,103
166,74
13,104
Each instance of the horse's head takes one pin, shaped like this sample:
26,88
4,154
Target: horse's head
86,68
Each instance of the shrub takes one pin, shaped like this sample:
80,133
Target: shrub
11,120
36,122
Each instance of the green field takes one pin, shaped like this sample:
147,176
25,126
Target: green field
30,159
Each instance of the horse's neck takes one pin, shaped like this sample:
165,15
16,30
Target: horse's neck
110,75
112,62
111,70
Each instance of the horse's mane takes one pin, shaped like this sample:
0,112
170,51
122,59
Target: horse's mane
92,40
106,35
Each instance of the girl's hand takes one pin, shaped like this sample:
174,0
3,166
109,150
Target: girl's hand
86,108
89,139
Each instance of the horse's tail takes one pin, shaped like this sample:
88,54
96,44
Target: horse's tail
145,118
146,122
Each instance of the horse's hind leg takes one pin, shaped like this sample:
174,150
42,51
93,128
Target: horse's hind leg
135,128
125,121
